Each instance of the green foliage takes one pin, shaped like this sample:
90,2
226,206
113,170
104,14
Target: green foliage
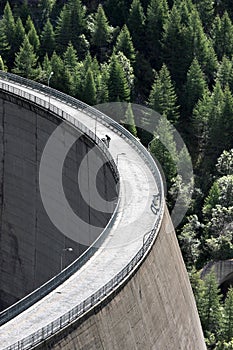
117,84
157,15
124,44
89,89
225,73
2,66
209,306
189,243
19,35
228,317
136,24
222,34
164,150
70,25
194,88
225,163
26,61
47,39
34,38
129,122
163,97
101,34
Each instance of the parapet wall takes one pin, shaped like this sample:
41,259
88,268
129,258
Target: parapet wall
155,309
30,245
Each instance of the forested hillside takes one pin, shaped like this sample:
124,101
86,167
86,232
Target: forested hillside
174,56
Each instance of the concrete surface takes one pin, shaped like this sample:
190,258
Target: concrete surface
155,309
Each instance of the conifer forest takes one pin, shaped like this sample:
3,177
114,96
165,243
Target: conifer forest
173,56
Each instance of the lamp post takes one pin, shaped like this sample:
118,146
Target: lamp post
49,77
119,154
63,252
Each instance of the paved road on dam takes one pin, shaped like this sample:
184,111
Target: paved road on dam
134,219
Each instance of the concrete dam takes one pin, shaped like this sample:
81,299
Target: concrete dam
123,283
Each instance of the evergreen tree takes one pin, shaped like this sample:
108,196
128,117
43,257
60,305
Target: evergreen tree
136,24
19,35
163,97
21,10
47,39
201,46
210,306
222,34
7,30
225,73
45,7
101,35
89,89
117,85
2,66
164,150
70,58
29,24
70,25
157,15
194,87
61,78
129,122
124,44
34,39
228,317
102,84
206,12
117,11
176,46
26,61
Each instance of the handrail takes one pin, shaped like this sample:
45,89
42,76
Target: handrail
78,311
54,282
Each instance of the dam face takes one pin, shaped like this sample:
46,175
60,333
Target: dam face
30,245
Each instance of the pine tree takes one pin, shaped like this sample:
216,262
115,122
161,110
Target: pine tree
157,15
89,89
176,46
2,66
117,84
228,317
70,25
101,35
102,84
7,31
47,39
202,47
206,11
222,34
163,148
117,11
136,24
210,307
29,24
61,78
163,97
70,58
34,39
225,73
63,29
45,7
26,61
129,122
124,44
194,87
19,35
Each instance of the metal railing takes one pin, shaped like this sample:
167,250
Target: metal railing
57,325
47,287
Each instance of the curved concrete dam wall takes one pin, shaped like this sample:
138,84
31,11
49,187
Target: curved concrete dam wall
30,245
154,309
